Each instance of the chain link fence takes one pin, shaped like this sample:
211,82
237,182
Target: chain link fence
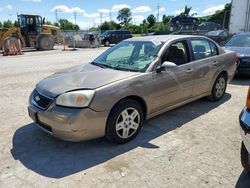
81,39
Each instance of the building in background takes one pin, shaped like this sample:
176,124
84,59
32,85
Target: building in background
240,16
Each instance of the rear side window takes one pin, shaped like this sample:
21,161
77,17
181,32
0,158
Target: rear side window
201,49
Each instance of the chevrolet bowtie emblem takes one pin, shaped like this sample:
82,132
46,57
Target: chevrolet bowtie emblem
37,98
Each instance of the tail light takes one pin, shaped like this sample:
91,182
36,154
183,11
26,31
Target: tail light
248,99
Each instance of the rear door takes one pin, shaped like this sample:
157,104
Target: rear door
205,62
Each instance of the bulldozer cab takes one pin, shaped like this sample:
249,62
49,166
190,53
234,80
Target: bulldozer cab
30,25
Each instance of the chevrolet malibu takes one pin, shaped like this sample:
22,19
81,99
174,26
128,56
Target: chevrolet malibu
133,81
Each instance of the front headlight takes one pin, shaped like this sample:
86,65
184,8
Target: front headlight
81,98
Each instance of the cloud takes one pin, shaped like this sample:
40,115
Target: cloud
116,8
141,9
93,15
138,19
9,7
37,1
103,10
213,9
65,9
162,9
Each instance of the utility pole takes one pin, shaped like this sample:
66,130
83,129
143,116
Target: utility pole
158,13
101,14
56,16
110,15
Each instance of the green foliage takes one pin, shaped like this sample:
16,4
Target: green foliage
124,16
67,25
8,24
151,20
222,16
16,24
1,25
56,24
166,19
110,26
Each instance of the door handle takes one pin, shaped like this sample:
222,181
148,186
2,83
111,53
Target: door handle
189,70
215,63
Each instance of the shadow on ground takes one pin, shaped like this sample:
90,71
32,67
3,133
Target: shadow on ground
53,158
241,80
244,180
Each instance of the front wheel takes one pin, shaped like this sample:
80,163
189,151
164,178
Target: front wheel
124,122
219,88
107,43
245,158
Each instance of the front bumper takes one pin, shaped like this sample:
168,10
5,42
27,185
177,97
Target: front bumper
245,127
70,124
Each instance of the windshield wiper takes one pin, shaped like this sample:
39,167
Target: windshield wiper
102,65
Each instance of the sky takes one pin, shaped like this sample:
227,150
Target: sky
88,12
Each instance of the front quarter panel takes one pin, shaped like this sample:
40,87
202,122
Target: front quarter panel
107,96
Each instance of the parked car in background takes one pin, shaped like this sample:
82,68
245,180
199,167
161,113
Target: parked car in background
219,36
240,43
245,133
209,26
135,80
183,19
114,36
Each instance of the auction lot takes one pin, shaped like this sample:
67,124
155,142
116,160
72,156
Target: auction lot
197,145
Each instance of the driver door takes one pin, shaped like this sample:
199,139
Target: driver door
173,87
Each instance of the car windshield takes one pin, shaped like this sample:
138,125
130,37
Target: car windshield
129,56
239,41
214,33
105,33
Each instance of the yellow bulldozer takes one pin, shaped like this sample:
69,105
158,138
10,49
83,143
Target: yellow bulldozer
32,32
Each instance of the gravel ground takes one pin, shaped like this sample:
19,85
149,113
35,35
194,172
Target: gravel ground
197,145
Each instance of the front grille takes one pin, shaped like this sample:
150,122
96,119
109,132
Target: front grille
41,101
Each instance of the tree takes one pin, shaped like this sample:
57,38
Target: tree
16,24
166,19
67,25
151,20
1,25
8,24
186,11
124,16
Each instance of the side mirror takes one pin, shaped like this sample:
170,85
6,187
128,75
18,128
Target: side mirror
167,66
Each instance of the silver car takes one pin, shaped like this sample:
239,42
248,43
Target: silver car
133,81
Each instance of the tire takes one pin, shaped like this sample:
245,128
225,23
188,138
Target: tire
121,126
219,88
245,158
12,40
107,43
46,43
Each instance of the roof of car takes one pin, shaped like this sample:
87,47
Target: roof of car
163,38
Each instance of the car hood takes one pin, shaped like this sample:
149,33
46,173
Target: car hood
241,51
80,77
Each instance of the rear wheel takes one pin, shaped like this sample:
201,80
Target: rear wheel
219,88
245,158
124,122
46,43
107,43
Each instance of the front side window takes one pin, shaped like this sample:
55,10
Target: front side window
129,56
201,49
177,53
